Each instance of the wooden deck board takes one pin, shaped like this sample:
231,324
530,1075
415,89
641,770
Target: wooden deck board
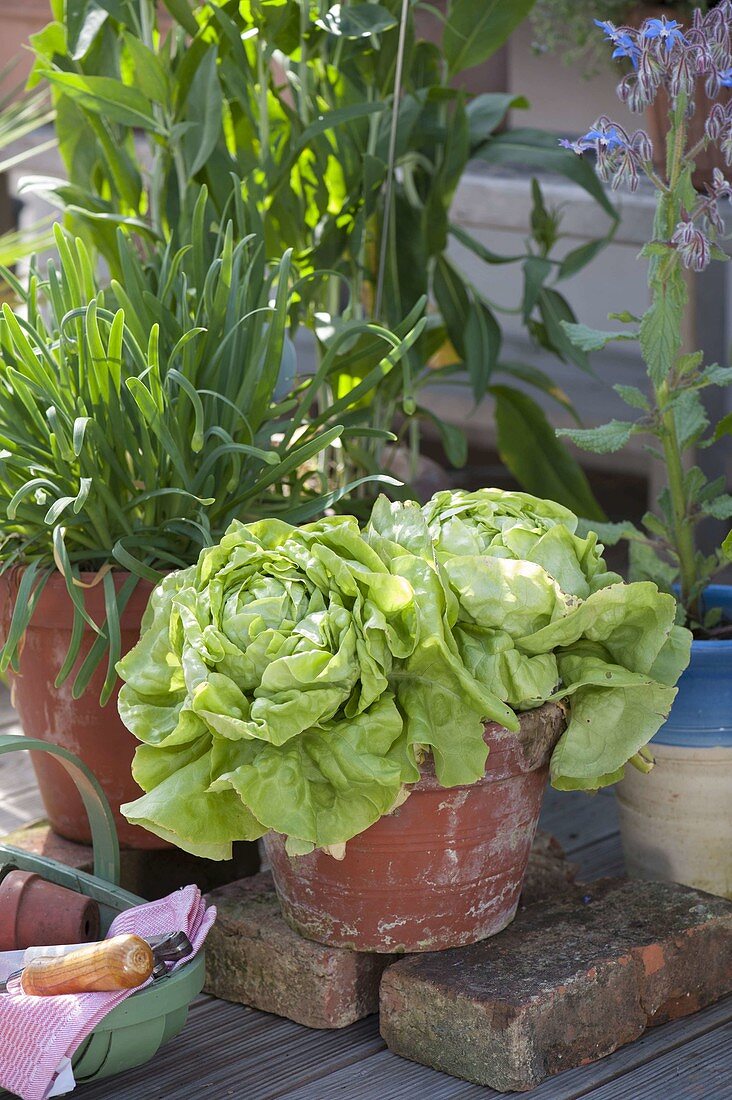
20,802
579,819
229,1051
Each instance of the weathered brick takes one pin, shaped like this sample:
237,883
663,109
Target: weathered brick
149,873
566,984
255,958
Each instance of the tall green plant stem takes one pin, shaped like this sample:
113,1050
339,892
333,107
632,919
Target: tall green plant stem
669,215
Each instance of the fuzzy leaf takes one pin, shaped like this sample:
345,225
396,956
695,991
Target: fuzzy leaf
606,439
660,330
632,396
592,339
720,507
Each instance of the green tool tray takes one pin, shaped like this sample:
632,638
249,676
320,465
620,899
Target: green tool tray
134,1030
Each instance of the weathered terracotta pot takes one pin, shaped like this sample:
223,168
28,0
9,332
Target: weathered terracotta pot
37,913
443,870
93,733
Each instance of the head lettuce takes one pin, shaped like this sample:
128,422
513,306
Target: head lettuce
260,689
540,618
295,677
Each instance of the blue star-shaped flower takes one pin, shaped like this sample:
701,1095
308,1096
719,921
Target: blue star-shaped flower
610,139
623,42
666,29
725,78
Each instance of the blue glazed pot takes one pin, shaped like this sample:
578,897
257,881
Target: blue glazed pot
701,716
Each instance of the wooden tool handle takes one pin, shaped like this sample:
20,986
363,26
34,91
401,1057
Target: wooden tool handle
122,962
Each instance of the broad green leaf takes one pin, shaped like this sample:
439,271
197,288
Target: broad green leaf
537,269
182,12
528,445
205,110
482,346
84,20
556,313
453,439
453,301
580,257
107,97
541,380
472,34
486,113
357,20
149,74
477,247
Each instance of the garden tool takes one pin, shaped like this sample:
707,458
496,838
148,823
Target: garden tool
122,962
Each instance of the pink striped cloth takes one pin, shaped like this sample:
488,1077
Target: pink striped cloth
38,1033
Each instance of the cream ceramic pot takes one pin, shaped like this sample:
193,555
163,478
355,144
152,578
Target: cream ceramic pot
676,822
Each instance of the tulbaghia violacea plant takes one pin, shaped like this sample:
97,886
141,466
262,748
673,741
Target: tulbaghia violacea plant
669,59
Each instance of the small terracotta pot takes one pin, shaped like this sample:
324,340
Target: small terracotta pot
443,870
37,913
95,734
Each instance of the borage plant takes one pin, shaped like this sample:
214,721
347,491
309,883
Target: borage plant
135,425
667,57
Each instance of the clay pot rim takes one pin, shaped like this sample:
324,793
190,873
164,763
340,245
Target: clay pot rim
497,737
54,610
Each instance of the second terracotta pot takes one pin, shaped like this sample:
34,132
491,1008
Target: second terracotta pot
95,734
443,870
37,913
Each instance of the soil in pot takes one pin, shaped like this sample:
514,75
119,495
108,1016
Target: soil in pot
444,870
93,733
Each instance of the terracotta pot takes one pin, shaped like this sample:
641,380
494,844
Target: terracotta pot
443,870
37,913
93,733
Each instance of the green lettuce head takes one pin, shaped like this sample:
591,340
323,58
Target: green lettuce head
260,689
540,618
295,677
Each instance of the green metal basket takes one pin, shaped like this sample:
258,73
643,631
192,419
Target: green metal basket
132,1032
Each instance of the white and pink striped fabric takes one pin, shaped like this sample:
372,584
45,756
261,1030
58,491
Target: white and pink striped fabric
38,1033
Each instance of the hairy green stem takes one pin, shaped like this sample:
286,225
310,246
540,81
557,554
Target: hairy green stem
682,526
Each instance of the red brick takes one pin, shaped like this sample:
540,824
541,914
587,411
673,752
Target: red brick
255,958
566,984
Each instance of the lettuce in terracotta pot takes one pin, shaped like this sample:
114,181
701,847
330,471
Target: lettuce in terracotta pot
296,678
260,690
